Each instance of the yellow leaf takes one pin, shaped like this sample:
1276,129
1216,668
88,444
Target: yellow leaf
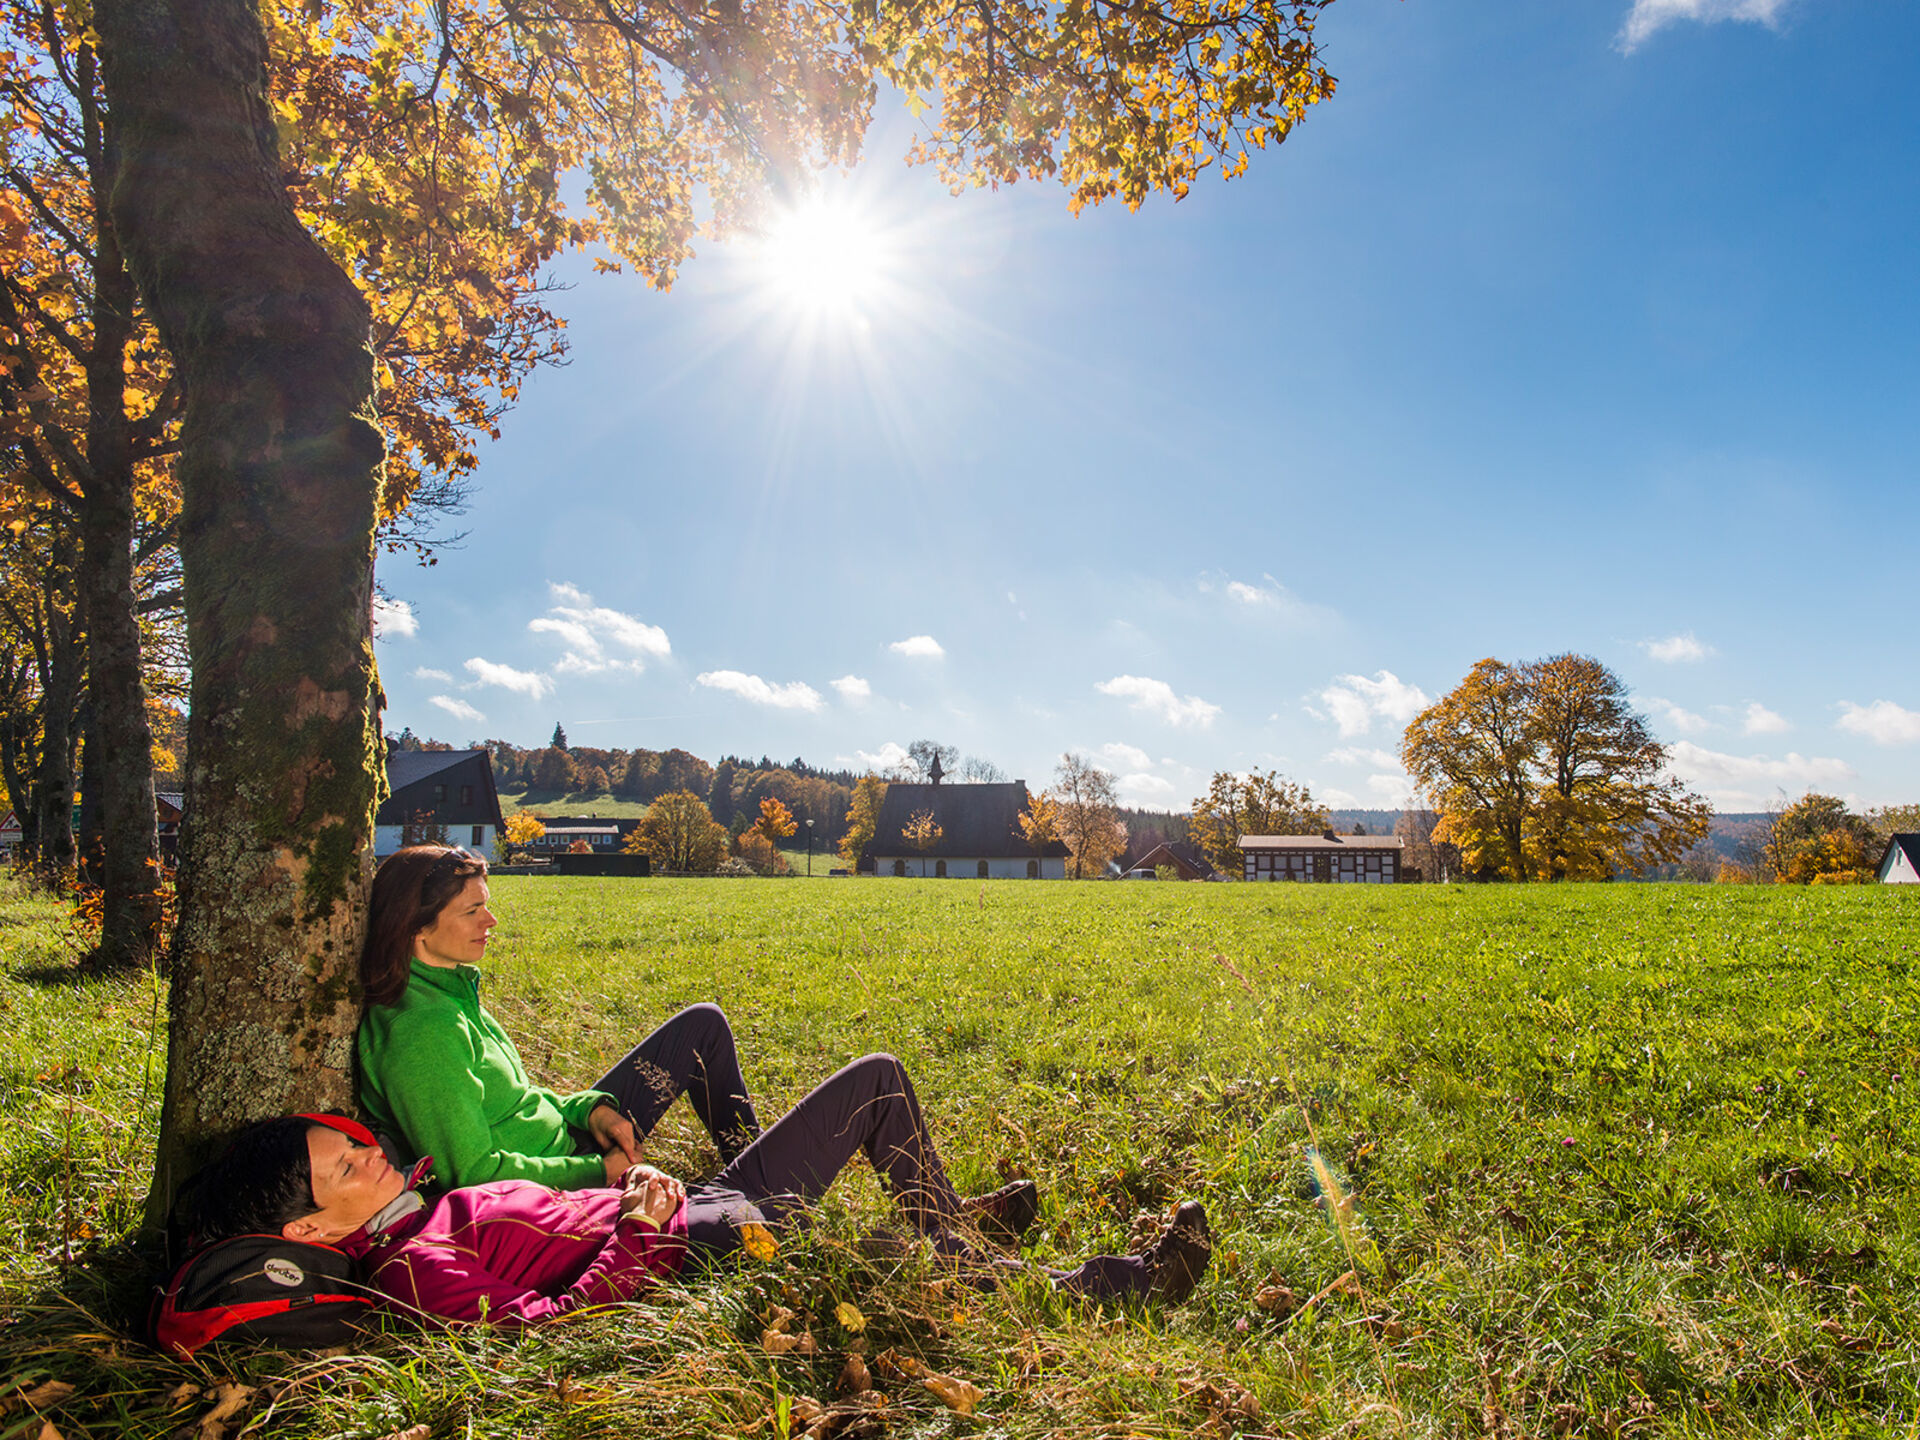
849,1317
757,1240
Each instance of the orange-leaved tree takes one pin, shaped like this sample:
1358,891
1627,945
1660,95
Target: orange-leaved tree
863,817
653,104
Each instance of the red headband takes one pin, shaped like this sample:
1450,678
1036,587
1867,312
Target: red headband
352,1129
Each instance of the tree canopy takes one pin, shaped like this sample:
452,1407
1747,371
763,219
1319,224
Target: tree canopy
1250,804
1543,771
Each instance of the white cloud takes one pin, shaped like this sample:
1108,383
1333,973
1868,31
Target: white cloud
920,647
853,689
394,619
1148,792
1684,648
1650,16
524,682
1762,721
595,637
459,709
792,696
1270,597
1683,720
440,676
1394,790
1749,781
1353,701
1354,755
1882,722
890,756
1156,697
1125,757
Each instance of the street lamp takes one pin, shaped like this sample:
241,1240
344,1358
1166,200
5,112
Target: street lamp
809,849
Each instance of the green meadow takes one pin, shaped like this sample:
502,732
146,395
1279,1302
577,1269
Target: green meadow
1512,1161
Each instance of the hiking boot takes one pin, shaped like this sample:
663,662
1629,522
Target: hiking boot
1004,1215
1179,1258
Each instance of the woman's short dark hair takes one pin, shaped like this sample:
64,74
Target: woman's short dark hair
410,890
264,1180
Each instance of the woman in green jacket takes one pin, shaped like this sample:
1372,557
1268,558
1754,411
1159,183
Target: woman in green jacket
438,1072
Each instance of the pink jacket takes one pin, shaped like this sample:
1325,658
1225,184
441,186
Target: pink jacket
514,1252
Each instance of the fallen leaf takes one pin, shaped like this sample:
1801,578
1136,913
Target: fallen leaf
854,1377
49,1431
182,1393
757,1240
44,1395
229,1400
849,1317
1277,1300
776,1342
959,1396
412,1432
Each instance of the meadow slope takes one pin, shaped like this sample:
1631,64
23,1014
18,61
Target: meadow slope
1505,1160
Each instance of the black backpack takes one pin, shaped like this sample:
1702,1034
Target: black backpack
262,1288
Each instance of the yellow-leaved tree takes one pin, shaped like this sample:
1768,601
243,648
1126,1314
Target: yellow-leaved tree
1542,771
863,818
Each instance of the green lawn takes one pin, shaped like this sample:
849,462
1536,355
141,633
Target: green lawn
1586,1160
557,802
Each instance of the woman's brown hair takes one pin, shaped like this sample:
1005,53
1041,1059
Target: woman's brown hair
410,890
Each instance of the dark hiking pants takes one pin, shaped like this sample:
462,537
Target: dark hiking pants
867,1107
692,1054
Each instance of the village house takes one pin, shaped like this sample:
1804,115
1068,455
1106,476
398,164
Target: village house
979,835
1165,857
1325,859
443,797
1900,865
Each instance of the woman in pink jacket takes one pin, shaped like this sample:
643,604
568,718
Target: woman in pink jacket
518,1252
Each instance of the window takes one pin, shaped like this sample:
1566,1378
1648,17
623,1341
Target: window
899,867
466,794
479,835
983,869
439,792
939,869
1033,869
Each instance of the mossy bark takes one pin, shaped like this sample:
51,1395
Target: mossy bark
279,476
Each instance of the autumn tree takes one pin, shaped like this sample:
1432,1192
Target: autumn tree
1040,821
281,455
680,834
863,818
1817,840
1250,804
920,834
1543,771
775,822
1085,807
519,833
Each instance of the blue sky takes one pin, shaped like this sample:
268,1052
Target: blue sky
1579,326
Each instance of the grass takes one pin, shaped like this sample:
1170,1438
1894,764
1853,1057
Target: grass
1589,1160
560,802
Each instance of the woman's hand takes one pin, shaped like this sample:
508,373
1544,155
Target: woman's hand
613,1132
651,1193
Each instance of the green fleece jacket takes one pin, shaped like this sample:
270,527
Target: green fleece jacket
438,1071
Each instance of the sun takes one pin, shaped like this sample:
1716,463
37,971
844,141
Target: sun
826,257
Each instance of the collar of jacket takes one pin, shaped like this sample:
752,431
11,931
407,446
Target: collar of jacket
462,982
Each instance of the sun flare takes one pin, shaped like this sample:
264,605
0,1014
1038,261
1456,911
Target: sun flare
825,257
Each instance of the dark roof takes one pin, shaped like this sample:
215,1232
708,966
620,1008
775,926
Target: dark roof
412,775
410,767
1908,844
974,820
1165,854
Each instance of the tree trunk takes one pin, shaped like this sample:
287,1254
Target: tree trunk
62,673
119,760
279,475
